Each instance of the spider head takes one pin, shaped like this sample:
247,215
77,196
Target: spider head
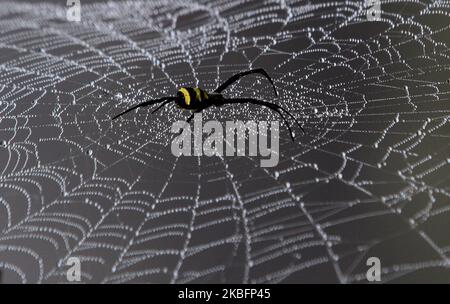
217,99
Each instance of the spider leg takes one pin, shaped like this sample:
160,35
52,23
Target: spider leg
291,116
204,107
269,105
190,118
144,104
162,105
236,77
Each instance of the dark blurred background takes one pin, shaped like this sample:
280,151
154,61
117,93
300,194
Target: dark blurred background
368,179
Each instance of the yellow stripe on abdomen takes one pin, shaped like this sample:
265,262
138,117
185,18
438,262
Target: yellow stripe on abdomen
187,97
198,94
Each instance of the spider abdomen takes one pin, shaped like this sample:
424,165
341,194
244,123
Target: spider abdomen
191,98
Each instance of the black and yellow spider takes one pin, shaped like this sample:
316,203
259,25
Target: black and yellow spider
196,99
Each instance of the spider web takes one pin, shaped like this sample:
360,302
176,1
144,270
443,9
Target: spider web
369,177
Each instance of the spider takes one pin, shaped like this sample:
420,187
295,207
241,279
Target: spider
197,100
